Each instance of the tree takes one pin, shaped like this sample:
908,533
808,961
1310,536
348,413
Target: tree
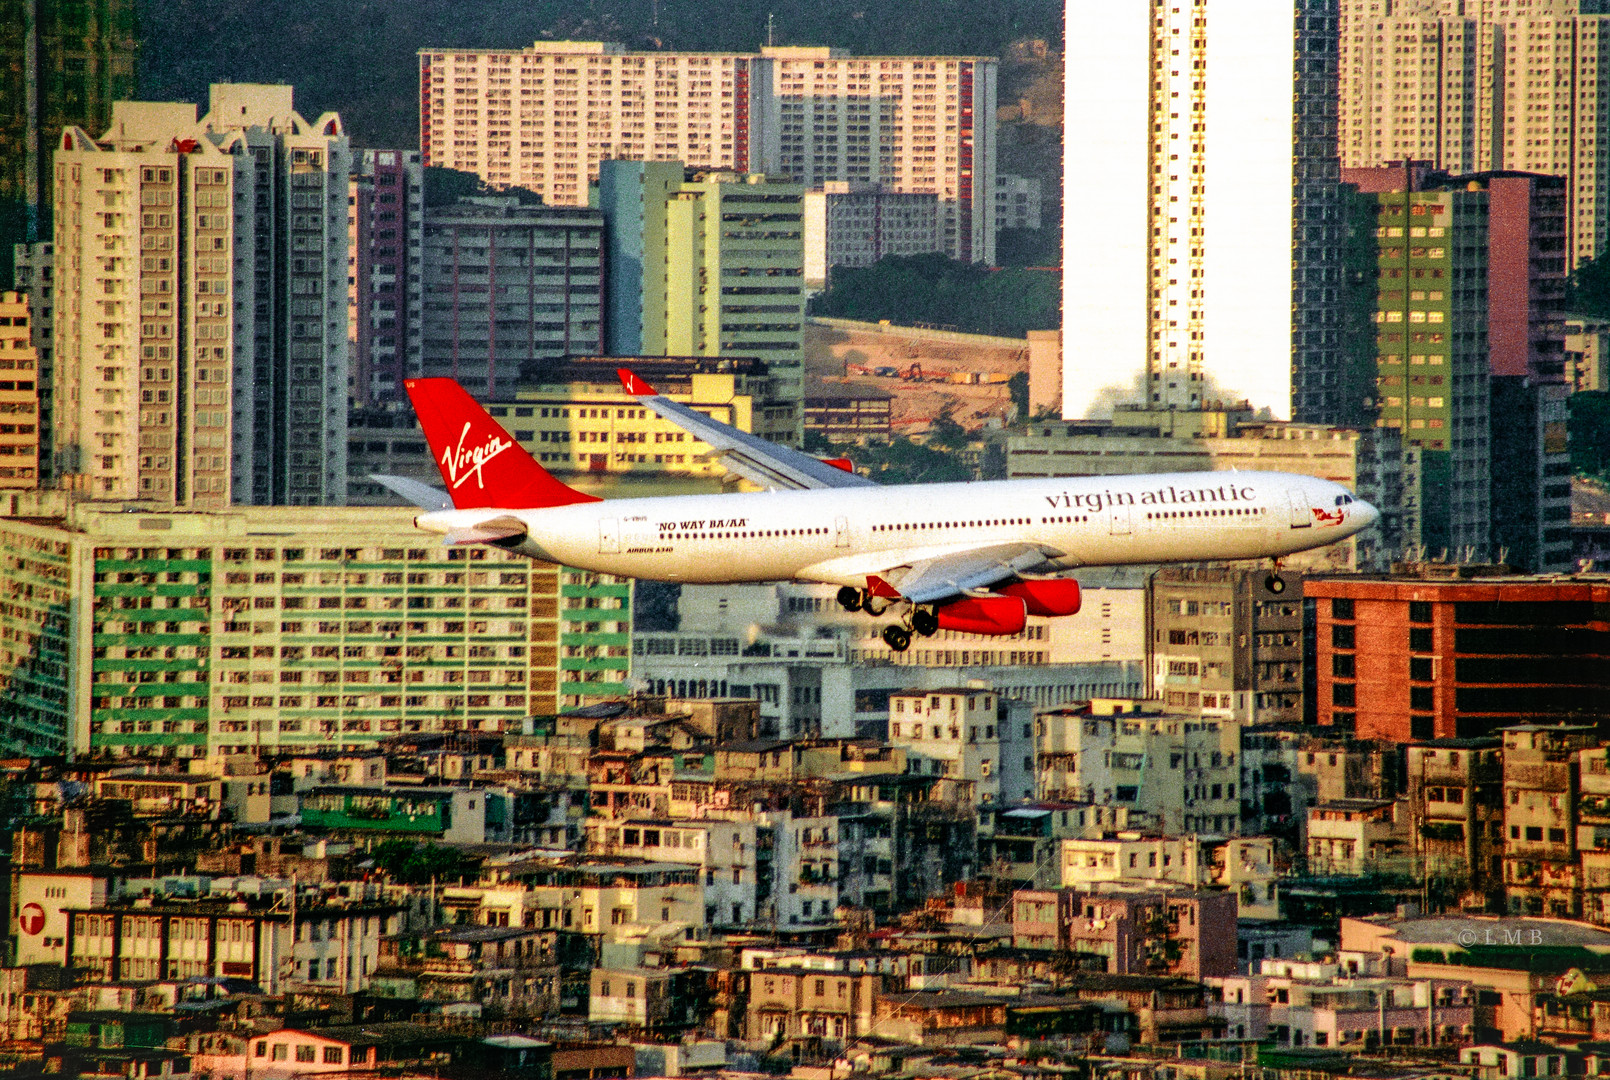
1589,290
413,863
1018,387
1589,420
937,291
905,462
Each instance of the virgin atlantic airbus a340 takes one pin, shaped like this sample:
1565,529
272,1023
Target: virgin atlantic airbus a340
973,557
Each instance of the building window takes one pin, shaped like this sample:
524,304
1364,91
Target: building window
1343,694
1341,608
305,1053
1341,637
1420,611
1422,697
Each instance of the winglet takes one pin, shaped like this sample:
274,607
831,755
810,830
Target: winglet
634,385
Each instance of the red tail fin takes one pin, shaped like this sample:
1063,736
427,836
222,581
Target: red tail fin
481,463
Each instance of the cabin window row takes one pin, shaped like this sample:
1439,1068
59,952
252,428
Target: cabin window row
1163,515
951,524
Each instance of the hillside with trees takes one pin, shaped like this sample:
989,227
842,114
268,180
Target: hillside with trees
359,56
932,290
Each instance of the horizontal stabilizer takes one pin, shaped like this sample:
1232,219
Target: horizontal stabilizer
417,492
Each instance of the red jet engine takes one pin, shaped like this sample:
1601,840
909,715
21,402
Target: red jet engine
997,616
1047,596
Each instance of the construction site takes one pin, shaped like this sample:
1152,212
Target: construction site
928,372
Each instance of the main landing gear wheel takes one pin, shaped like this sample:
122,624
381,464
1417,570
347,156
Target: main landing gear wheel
925,621
897,637
849,598
1274,584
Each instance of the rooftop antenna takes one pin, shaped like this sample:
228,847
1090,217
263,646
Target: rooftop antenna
771,26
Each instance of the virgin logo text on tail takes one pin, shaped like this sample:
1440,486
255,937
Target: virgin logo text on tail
461,463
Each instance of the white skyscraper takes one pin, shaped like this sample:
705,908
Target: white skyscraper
1179,174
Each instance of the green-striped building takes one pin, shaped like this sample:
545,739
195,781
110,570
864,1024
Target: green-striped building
134,632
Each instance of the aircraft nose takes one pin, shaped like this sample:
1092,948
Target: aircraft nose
1366,514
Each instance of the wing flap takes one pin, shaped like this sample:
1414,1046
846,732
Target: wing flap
750,456
957,573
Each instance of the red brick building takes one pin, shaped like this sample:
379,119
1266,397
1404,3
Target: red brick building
1407,658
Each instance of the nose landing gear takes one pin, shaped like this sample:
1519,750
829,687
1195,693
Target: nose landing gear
1274,582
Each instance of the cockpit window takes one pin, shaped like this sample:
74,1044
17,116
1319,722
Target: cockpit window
1343,500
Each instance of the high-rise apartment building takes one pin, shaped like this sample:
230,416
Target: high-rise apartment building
544,118
857,224
705,264
65,61
1189,124
201,301
35,273
917,124
1476,87
19,394
1470,282
506,284
184,634
384,277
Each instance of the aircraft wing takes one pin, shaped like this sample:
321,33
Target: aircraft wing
750,456
957,573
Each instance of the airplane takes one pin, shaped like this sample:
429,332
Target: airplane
976,557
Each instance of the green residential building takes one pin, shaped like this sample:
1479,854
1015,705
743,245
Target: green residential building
1470,359
1431,337
156,633
704,264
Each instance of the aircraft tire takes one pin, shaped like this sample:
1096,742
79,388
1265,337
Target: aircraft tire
849,598
897,637
925,621
1274,584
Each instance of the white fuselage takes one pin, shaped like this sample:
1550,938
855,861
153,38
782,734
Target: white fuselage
840,535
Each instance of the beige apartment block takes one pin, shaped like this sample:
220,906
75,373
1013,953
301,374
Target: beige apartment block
1173,773
1470,87
138,265
19,394
544,117
200,310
